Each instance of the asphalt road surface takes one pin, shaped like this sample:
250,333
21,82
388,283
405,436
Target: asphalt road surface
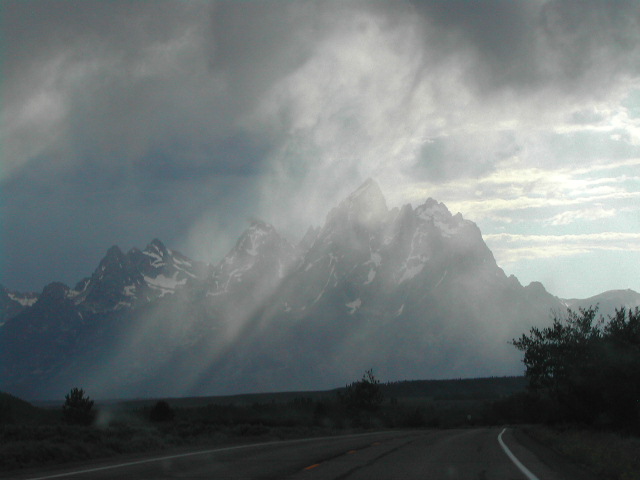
471,454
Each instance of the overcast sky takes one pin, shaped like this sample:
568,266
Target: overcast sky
128,120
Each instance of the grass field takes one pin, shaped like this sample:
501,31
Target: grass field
609,455
33,436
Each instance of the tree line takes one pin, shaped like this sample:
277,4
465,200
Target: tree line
585,369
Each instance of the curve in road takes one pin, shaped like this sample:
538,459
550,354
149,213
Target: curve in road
479,453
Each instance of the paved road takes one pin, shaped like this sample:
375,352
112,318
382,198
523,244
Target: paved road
438,454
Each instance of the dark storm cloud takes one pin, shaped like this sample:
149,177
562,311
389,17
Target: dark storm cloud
34,30
239,153
500,31
127,79
156,117
256,44
127,76
523,45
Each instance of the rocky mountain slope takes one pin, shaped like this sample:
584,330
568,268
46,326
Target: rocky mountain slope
410,292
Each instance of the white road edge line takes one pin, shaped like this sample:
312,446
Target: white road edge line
514,459
191,454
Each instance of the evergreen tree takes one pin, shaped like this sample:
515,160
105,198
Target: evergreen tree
77,408
363,395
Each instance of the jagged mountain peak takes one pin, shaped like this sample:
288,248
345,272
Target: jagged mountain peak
54,290
259,236
156,246
114,260
112,264
260,256
536,287
368,190
365,208
437,213
165,270
125,280
367,201
158,253
432,207
114,252
262,226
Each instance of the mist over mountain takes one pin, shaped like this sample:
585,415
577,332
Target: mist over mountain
410,292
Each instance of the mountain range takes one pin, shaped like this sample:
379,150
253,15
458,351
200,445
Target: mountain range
410,292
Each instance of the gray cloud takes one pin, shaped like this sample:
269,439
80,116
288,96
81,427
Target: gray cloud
500,33
577,47
256,45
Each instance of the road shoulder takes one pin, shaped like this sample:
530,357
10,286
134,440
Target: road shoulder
563,467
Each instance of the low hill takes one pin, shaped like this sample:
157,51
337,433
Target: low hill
18,411
491,388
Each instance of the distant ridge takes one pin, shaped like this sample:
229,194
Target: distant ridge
607,301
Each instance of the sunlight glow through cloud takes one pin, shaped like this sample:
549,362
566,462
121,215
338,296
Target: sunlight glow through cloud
510,248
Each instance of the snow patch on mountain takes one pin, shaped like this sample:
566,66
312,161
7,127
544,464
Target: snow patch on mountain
129,290
282,269
254,239
332,276
354,306
157,252
444,275
370,276
256,265
180,261
374,262
25,301
158,261
165,284
440,216
410,271
122,304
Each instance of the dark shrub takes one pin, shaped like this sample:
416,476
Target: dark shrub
161,412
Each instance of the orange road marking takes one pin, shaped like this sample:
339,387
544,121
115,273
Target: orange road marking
351,451
311,467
